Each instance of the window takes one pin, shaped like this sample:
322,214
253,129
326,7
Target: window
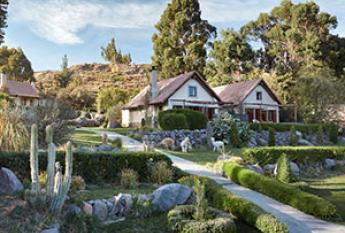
192,91
259,95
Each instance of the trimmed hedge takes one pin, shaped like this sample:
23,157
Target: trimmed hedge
92,166
285,193
302,127
173,121
243,209
270,155
195,119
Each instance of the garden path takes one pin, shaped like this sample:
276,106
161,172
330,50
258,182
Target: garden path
296,221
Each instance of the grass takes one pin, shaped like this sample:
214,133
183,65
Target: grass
84,137
203,155
332,189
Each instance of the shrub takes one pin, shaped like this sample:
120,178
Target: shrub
129,178
293,138
194,119
92,166
271,137
223,125
78,183
173,121
319,136
181,220
270,155
117,143
14,135
285,193
284,173
160,172
243,209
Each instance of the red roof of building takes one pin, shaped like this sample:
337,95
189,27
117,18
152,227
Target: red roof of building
21,89
167,88
236,93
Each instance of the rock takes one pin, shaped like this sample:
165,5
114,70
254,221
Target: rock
303,142
73,209
340,162
9,183
99,210
105,147
299,134
113,125
54,229
168,196
255,168
123,203
87,208
85,122
294,168
330,163
269,168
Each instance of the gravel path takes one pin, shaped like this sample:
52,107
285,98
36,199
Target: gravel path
297,221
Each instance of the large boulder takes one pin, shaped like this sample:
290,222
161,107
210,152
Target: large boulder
85,122
9,183
269,168
99,210
168,196
295,169
105,147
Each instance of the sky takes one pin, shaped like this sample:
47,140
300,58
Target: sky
48,29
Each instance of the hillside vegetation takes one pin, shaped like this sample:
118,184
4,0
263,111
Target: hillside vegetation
87,79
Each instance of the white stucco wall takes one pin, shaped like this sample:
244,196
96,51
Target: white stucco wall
183,94
266,99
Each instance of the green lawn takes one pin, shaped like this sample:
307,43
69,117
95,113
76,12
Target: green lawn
203,156
332,189
82,137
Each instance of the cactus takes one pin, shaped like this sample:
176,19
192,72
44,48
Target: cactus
56,187
61,191
35,184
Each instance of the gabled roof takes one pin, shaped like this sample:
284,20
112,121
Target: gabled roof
166,88
21,89
236,93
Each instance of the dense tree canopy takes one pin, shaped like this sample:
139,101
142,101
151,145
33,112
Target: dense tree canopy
3,17
14,63
231,56
180,45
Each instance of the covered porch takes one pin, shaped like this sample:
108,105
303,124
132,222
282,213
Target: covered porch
209,109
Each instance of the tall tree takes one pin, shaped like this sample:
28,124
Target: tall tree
109,53
65,75
182,38
14,63
292,36
3,17
230,56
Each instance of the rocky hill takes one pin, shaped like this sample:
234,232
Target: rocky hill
87,79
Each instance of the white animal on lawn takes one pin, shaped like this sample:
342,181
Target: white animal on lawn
217,145
186,145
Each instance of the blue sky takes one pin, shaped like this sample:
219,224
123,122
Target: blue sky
48,29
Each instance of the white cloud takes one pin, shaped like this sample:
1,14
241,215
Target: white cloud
60,21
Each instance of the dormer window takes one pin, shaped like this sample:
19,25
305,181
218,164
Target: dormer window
192,91
259,95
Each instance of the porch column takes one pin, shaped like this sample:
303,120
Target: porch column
254,114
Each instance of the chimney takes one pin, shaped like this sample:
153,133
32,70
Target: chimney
153,83
3,81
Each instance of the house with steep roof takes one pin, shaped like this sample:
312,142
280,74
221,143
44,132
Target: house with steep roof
22,93
253,99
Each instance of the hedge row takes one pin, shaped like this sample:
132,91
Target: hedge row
194,119
243,209
285,193
92,166
283,127
270,155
